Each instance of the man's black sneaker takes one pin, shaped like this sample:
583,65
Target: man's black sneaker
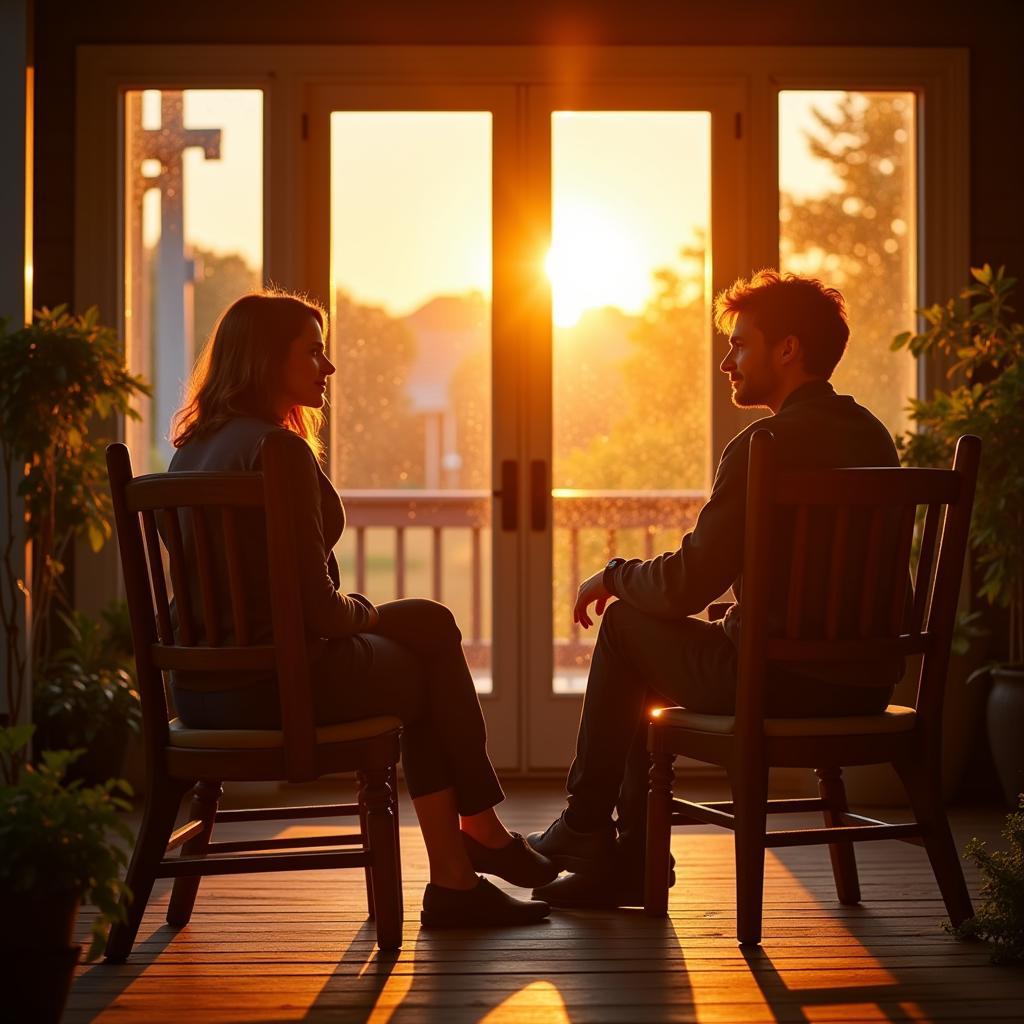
517,862
484,906
604,891
570,850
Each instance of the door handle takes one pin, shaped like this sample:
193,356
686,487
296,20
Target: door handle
539,494
509,494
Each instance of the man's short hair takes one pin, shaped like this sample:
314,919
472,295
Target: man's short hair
781,305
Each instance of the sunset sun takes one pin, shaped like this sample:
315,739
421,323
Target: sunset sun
593,262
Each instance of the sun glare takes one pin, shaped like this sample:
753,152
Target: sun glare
593,262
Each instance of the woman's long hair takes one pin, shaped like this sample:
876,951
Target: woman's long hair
243,363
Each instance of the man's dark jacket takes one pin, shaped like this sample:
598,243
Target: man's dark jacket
814,429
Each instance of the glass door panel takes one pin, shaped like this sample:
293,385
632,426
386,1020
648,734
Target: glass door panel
641,194
629,270
406,239
410,436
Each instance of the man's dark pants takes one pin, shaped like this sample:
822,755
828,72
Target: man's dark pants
641,662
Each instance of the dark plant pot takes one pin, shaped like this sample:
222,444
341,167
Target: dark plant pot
1006,727
37,956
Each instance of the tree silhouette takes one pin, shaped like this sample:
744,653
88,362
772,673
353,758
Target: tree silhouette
858,236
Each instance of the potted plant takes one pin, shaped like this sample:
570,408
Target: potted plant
977,332
1001,917
85,694
64,377
59,845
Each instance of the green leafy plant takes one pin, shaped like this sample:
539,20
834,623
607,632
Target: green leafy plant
61,840
86,691
63,377
977,332
1001,918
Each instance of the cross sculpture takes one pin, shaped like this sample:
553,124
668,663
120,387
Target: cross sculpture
173,344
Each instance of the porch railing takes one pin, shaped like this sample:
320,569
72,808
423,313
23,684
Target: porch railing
574,511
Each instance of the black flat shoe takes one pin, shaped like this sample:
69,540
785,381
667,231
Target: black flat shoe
569,850
595,892
485,906
517,862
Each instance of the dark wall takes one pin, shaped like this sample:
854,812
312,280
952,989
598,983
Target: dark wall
993,32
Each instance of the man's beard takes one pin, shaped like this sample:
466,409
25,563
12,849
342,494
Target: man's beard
745,396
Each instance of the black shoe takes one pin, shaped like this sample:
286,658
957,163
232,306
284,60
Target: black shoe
604,891
570,850
516,861
481,907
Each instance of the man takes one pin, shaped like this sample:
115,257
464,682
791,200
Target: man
786,335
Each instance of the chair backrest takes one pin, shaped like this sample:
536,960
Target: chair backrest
855,591
149,512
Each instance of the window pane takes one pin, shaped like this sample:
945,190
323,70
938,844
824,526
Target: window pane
847,214
194,237
411,337
629,270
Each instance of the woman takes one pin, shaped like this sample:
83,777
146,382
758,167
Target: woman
266,370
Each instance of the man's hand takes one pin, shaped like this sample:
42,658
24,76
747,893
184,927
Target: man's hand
591,590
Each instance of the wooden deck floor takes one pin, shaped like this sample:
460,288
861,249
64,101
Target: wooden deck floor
297,947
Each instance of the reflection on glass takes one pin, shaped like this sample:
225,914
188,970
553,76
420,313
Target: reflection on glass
629,268
193,236
410,325
847,213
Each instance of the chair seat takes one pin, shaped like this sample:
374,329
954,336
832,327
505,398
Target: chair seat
271,739
895,718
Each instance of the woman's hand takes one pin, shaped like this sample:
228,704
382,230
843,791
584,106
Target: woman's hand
591,590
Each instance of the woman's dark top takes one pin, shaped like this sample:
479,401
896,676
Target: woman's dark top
319,518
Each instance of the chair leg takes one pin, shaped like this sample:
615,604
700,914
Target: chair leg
205,798
376,794
368,871
844,861
750,806
659,834
158,818
924,788
393,785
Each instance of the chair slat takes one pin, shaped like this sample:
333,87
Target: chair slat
837,557
923,583
179,579
886,487
156,573
256,658
205,567
236,583
795,604
192,490
858,650
869,584
901,568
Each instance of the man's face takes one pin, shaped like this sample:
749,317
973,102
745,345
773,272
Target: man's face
750,365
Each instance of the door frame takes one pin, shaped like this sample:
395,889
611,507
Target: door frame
938,76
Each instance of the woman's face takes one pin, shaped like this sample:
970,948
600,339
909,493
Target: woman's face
305,371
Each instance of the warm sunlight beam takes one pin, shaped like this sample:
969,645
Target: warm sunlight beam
593,262
539,1001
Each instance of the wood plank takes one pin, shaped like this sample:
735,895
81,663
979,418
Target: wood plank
285,947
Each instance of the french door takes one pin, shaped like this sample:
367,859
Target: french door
519,281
